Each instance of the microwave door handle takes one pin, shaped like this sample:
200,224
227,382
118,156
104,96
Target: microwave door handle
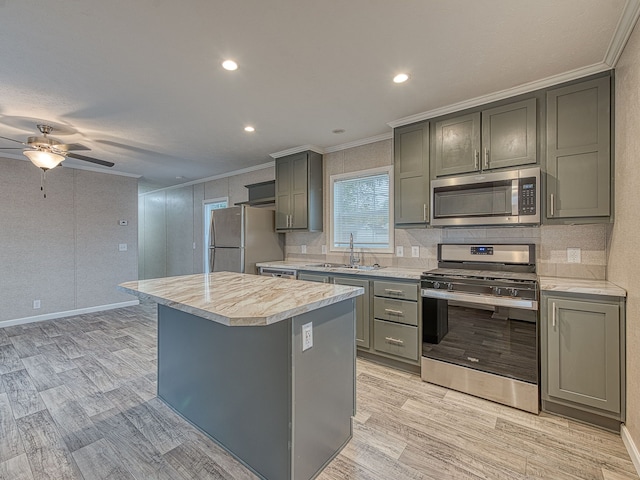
515,197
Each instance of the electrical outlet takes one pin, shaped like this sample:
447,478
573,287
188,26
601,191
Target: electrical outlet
574,255
324,249
123,223
399,251
307,336
122,247
303,249
415,251
36,304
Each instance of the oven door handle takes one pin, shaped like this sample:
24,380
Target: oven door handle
480,299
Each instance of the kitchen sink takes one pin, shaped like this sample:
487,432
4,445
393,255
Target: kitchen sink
344,265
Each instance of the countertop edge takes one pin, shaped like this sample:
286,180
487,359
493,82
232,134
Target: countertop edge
384,272
579,285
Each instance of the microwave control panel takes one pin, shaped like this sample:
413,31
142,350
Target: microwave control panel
527,195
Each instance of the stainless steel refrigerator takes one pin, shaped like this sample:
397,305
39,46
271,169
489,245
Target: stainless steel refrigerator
240,237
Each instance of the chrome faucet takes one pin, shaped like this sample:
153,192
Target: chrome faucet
353,260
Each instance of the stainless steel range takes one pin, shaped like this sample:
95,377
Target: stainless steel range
480,322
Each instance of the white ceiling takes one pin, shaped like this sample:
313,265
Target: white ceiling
140,82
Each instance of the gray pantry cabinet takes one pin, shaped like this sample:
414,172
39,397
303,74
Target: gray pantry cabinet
504,136
583,355
299,192
411,175
579,150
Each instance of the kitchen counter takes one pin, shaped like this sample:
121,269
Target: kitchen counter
311,266
278,393
578,285
236,299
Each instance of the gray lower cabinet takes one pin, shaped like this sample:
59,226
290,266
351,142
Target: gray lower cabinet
582,343
299,192
362,308
579,151
396,320
499,137
411,175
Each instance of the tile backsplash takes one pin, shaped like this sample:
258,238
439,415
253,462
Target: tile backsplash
551,243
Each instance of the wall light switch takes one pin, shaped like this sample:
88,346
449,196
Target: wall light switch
399,251
415,251
194,245
324,249
303,249
307,336
574,255
122,247
36,304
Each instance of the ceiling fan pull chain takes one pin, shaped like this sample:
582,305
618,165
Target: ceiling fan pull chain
43,183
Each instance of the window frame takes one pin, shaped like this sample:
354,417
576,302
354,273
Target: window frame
388,169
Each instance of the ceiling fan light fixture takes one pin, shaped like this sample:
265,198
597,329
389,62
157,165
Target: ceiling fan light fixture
43,159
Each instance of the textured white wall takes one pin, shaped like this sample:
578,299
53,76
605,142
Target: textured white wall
624,259
63,250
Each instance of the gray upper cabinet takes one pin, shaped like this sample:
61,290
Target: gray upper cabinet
458,145
582,367
578,150
499,137
509,135
411,174
299,192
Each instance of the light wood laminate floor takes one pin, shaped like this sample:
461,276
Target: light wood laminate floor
77,401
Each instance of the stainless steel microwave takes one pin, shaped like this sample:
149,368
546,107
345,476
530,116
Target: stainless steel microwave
502,198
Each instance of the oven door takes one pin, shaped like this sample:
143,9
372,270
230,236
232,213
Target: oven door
481,348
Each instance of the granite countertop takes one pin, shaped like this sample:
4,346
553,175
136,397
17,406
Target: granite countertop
237,299
578,285
308,266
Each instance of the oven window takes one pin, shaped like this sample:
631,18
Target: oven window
488,341
472,201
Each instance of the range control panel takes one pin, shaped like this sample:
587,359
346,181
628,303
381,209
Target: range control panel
527,196
481,250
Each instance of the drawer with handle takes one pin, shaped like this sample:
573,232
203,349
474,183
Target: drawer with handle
402,291
400,311
396,339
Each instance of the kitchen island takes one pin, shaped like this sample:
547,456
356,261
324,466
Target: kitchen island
231,361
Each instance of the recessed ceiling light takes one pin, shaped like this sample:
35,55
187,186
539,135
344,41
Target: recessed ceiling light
229,65
401,78
249,128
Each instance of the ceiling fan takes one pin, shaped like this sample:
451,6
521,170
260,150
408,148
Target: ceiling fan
46,152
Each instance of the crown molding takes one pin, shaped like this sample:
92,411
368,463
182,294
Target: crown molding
302,148
625,26
262,166
359,143
504,94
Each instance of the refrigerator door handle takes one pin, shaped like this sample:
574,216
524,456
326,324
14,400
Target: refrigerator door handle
212,258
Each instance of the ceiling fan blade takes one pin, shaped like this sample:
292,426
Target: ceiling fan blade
12,140
88,159
11,148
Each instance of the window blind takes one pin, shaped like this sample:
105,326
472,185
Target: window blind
361,208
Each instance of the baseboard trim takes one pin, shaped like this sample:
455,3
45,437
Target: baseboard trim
631,447
68,313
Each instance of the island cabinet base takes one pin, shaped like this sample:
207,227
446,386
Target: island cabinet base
283,412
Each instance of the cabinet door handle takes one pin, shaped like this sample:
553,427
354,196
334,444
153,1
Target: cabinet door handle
394,341
476,159
424,212
395,312
553,314
552,206
391,290
486,158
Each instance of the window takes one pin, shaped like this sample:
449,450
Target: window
361,205
208,207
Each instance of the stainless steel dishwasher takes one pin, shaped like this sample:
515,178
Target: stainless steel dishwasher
278,272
